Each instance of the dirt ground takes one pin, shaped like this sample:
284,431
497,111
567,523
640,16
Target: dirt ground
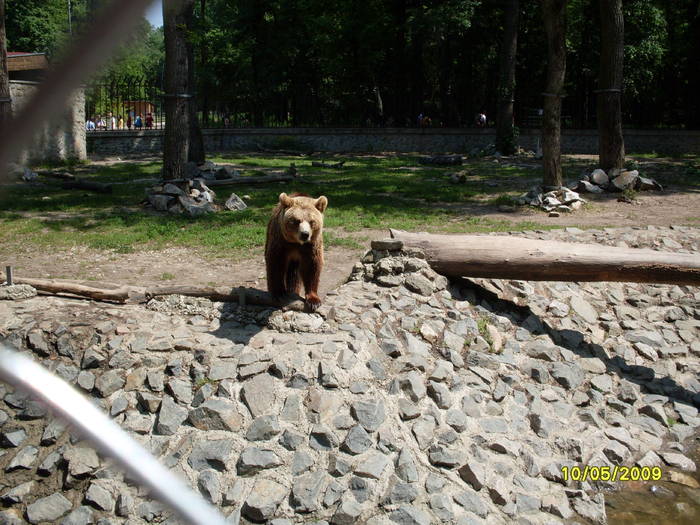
188,267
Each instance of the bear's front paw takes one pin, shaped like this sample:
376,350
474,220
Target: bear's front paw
312,302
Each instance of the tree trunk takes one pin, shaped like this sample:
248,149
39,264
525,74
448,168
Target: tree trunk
507,257
5,105
554,14
611,145
195,151
177,115
505,132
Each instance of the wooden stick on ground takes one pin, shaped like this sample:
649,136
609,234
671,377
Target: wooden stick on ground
123,294
508,257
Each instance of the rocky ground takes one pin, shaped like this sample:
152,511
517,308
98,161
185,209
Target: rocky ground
407,399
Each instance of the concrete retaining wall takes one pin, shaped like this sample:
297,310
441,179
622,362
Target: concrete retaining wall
63,137
103,143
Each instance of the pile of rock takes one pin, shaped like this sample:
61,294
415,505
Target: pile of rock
554,201
615,180
190,196
405,399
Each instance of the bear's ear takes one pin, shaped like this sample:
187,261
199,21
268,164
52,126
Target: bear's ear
285,200
321,203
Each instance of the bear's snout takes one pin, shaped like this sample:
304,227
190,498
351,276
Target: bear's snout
304,236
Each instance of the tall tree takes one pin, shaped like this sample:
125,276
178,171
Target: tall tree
611,144
554,14
177,95
505,129
5,107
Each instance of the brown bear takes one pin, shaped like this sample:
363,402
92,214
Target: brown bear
294,247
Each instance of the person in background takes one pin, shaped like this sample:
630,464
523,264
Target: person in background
138,123
120,122
149,121
100,123
90,124
129,122
481,119
111,121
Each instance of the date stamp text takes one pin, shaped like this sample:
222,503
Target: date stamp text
613,474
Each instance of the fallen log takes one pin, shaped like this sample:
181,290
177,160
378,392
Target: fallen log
262,179
62,175
139,294
322,164
119,294
508,257
82,184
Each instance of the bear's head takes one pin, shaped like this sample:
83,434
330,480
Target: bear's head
302,217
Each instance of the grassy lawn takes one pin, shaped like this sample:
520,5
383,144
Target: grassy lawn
371,192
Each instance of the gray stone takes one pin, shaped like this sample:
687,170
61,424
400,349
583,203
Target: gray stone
257,395
542,425
456,419
499,491
291,440
410,515
406,466
263,500
49,508
50,464
369,414
302,462
678,461
444,457
307,491
109,382
583,309
99,497
148,401
263,428
419,284
24,459
322,438
414,385
170,417
12,438
347,512
567,375
333,493
615,451
440,394
338,466
209,486
402,493
472,501
86,380
214,454
11,517
407,409
357,440
83,515
180,389
473,473
424,431
216,414
372,466
19,493
254,459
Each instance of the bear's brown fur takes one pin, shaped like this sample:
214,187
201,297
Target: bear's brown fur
294,247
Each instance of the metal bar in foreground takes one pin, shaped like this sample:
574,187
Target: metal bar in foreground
106,436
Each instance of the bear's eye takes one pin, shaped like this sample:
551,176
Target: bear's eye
294,222
312,224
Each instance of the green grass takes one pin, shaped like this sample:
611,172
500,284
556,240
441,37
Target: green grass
370,192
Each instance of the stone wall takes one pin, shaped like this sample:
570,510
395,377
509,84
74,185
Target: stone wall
386,139
63,137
